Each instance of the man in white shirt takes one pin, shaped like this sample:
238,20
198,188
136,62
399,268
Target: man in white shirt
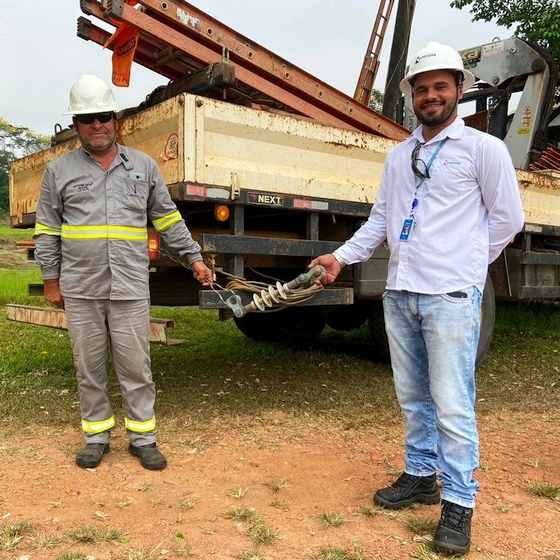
448,204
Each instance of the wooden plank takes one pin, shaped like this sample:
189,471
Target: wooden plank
56,318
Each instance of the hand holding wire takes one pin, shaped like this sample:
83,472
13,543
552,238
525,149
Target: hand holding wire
331,268
202,273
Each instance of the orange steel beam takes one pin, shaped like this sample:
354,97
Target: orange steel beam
202,56
270,67
172,70
204,40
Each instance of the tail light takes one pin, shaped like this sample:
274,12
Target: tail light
153,244
221,213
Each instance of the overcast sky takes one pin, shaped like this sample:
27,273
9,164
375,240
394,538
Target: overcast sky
41,55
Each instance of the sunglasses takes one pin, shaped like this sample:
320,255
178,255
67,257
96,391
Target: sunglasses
419,167
101,117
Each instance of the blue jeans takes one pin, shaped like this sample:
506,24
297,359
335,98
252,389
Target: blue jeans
433,341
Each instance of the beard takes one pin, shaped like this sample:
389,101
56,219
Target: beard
437,119
98,144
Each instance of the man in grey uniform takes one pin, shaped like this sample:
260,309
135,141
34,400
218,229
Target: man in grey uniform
92,246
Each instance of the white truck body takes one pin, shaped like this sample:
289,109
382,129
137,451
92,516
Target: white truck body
226,147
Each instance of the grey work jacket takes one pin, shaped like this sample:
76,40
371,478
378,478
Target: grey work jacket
91,224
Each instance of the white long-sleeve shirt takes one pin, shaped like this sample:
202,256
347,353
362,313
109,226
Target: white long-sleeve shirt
468,210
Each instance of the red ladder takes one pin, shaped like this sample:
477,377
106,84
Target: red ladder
370,66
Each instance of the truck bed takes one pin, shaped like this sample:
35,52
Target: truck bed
540,194
201,141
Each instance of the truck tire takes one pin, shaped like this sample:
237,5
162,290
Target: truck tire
487,320
347,317
378,336
293,324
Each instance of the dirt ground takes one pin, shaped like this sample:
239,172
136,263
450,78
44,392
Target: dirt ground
293,477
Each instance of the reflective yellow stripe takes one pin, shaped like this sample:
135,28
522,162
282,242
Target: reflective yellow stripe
105,232
140,427
163,223
46,230
98,427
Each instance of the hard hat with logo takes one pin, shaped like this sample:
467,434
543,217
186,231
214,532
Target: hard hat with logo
435,56
91,94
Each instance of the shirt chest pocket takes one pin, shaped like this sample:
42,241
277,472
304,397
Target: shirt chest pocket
134,194
449,178
133,201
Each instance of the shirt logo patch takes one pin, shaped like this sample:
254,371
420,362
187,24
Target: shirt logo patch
453,162
82,187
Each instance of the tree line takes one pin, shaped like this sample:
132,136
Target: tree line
15,142
536,21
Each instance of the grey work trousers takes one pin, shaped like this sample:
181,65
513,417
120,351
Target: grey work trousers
122,328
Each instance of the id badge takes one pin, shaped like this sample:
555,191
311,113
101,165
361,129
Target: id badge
407,228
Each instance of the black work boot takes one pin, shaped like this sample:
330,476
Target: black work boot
150,457
90,456
408,489
453,534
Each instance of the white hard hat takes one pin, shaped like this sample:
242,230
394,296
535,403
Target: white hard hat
91,94
435,56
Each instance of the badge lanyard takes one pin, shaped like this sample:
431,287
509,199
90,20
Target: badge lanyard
408,224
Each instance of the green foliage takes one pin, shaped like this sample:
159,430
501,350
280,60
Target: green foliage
330,519
66,555
11,535
544,489
535,21
335,553
15,142
13,286
246,514
421,525
94,535
21,141
376,100
331,383
8,234
5,159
